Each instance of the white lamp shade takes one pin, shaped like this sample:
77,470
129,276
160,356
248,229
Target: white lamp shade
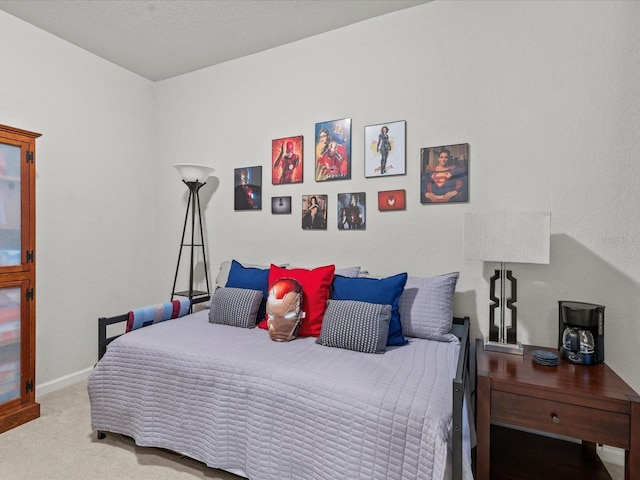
508,237
191,172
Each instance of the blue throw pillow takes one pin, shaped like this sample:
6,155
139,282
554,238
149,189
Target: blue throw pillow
252,279
385,291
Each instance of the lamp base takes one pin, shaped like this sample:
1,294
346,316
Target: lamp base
511,348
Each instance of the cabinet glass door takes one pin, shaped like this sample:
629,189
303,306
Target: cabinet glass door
10,201
10,351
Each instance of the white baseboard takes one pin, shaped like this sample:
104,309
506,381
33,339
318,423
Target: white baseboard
62,382
611,454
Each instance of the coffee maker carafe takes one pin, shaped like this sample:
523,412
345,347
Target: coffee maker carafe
581,332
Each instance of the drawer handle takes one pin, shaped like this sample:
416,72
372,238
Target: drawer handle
555,418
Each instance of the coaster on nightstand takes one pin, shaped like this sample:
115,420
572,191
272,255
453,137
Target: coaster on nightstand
546,358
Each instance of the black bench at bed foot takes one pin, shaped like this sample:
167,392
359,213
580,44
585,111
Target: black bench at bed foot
101,435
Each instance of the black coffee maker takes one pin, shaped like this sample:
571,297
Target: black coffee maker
581,332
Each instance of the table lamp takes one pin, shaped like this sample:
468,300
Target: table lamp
506,237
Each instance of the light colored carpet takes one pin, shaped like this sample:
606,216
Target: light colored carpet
61,446
616,471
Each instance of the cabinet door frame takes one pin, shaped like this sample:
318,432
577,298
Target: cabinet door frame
23,276
27,196
26,344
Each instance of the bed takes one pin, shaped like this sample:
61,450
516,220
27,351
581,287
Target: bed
237,401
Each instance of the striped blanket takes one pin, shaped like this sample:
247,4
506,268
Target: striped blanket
141,317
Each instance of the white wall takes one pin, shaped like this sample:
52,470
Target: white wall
94,184
544,93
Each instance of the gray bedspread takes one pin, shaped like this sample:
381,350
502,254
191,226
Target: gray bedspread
235,400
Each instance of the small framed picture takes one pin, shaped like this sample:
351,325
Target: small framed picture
314,212
280,205
392,200
352,211
385,151
444,174
286,160
333,150
248,188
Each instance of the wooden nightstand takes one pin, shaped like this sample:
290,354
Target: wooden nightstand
590,403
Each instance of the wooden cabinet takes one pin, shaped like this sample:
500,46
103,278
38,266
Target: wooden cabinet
17,277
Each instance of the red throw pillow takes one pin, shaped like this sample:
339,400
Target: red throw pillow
315,294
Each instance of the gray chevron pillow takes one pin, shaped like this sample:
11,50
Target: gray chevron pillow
353,325
237,307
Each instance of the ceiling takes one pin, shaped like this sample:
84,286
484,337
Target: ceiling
160,39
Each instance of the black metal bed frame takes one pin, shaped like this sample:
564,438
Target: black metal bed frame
461,327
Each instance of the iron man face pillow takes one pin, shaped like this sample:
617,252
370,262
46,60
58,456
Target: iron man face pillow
283,309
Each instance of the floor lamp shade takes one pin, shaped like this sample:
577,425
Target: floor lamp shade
506,237
190,172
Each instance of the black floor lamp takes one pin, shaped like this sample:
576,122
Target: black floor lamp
194,177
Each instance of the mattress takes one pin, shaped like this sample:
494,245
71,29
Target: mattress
235,400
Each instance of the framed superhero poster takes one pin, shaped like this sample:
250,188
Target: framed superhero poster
280,205
314,212
248,188
384,152
392,200
444,174
286,160
352,211
333,150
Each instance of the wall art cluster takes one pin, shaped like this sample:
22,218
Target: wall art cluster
444,173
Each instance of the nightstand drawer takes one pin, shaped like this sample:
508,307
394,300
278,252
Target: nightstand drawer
590,424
